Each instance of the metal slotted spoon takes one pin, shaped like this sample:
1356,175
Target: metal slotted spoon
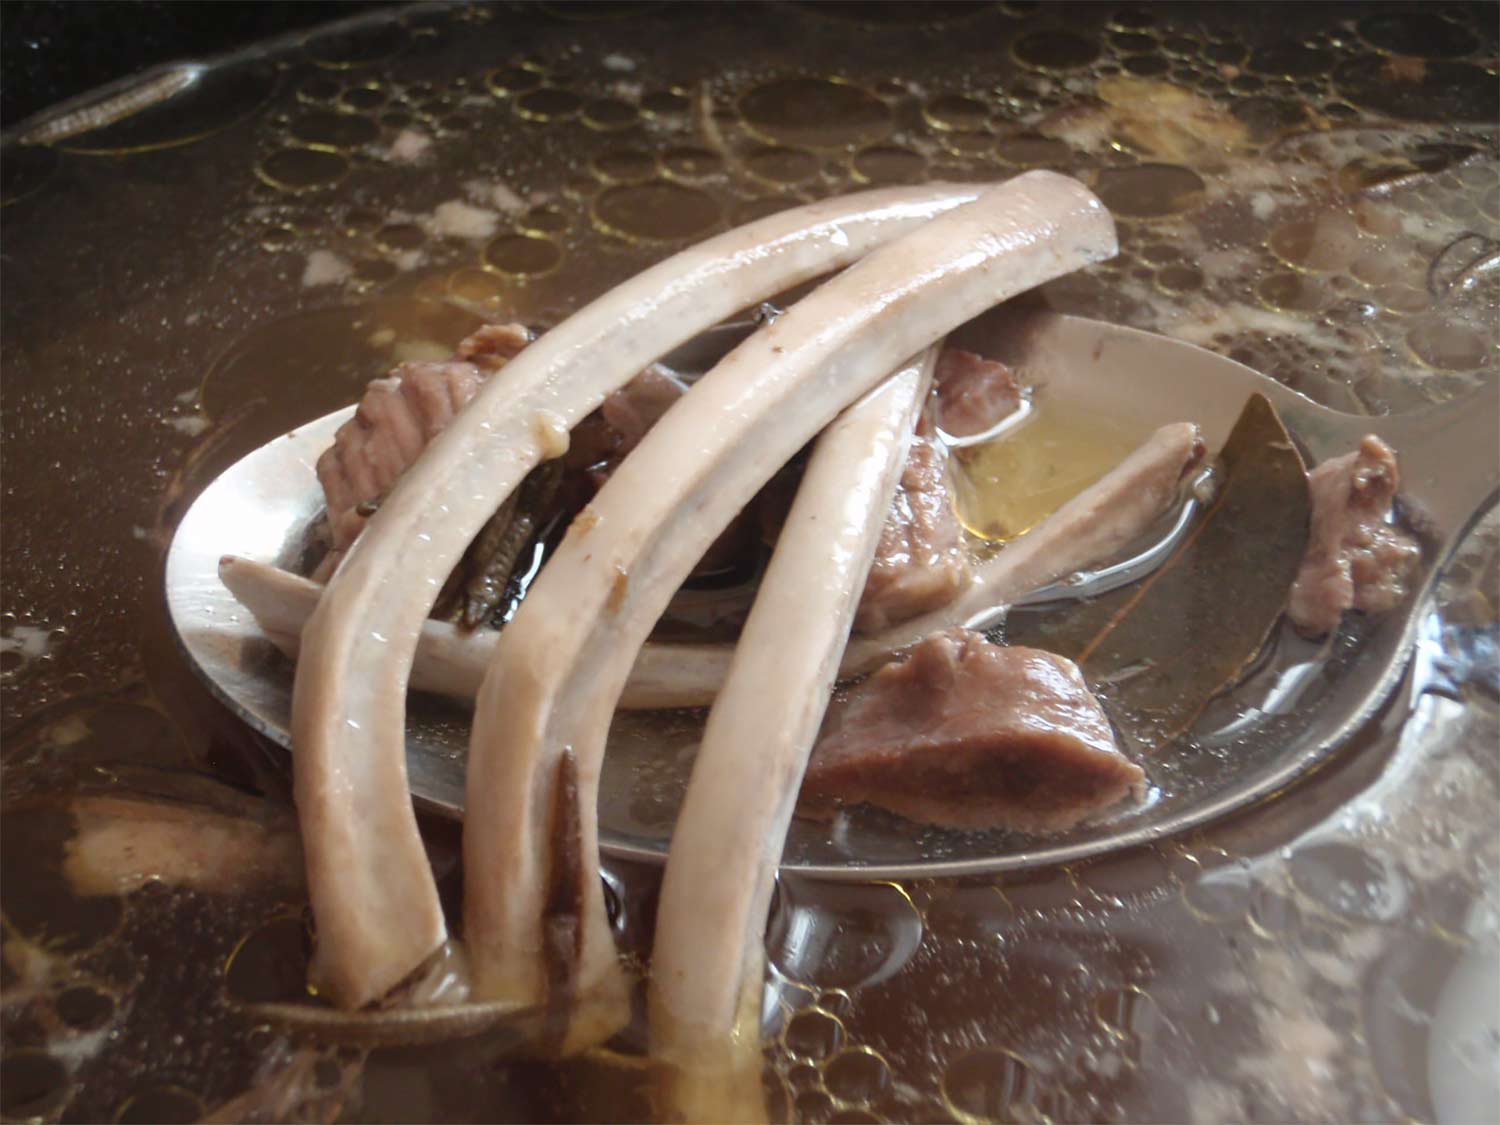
262,507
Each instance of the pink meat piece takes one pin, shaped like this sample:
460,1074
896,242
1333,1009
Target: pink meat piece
1356,558
398,415
920,563
970,734
974,394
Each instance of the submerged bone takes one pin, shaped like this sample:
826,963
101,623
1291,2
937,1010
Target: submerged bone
708,960
562,662
372,891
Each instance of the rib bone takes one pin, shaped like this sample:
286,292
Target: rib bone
708,961
372,891
1102,519
563,660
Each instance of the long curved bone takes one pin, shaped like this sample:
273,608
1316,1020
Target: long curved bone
372,891
1100,520
545,706
708,962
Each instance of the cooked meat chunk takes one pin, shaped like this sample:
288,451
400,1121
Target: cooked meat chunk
970,734
974,394
635,407
920,563
398,415
1356,558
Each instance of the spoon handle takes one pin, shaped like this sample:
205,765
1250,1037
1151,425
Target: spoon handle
1450,459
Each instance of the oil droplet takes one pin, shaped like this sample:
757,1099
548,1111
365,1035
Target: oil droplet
358,219
1402,300
691,164
32,1084
1290,60
970,913
320,129
1147,66
609,114
1179,279
804,1076
1293,292
548,104
1033,151
511,80
1379,266
777,165
1273,914
84,1007
160,1105
1006,486
819,113
318,88
655,211
1448,346
888,164
813,1034
1133,42
522,255
400,236
624,166
988,1085
363,99
1150,191
665,104
1329,242
842,936
544,220
857,1075
1221,895
1351,882
970,145
302,169
1054,50
475,285
957,112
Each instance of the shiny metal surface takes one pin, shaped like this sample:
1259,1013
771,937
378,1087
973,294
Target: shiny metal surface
261,509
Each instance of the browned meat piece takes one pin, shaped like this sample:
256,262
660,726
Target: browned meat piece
921,562
974,394
635,407
972,735
1355,558
398,415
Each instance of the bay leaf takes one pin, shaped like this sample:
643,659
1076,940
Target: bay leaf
1158,651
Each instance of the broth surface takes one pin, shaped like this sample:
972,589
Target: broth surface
1317,195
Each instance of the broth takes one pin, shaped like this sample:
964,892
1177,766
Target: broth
1314,195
